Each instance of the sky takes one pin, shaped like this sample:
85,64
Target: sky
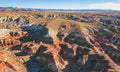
62,4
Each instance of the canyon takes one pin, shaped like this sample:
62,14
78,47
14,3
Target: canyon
38,41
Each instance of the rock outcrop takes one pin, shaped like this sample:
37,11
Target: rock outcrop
10,38
9,63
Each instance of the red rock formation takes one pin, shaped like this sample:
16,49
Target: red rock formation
10,64
99,39
72,42
30,47
56,62
11,39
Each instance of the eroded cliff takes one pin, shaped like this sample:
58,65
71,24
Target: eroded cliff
59,42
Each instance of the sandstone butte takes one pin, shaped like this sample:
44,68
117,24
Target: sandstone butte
36,41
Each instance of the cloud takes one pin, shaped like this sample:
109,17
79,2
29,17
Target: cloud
109,5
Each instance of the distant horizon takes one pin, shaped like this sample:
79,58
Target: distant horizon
55,8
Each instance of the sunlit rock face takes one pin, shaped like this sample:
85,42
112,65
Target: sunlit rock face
16,19
9,38
34,41
9,63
